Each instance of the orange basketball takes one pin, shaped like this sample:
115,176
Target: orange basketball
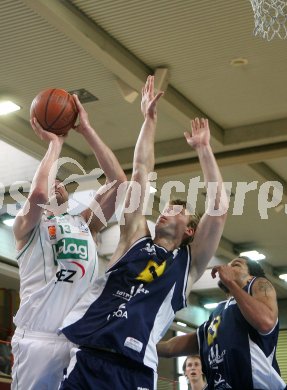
55,110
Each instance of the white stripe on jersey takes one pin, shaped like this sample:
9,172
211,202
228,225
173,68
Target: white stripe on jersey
186,276
264,376
163,319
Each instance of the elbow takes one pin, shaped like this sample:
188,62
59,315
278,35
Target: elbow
38,196
224,215
117,181
220,205
163,349
219,215
122,178
267,325
140,172
222,209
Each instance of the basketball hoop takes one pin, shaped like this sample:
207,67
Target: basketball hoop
270,18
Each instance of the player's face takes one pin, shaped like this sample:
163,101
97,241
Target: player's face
173,221
60,192
240,268
193,369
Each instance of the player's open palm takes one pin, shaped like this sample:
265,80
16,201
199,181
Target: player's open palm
200,133
149,99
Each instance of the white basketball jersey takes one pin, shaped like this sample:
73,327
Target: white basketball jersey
57,266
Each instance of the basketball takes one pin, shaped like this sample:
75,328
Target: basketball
55,110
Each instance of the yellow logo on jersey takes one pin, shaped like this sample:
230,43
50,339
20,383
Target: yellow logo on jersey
152,271
212,330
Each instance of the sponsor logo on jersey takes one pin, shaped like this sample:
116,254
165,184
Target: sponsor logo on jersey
215,357
133,343
121,312
150,249
133,292
65,275
84,228
152,271
70,248
212,330
52,232
220,383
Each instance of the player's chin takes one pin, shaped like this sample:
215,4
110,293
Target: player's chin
61,200
223,287
56,200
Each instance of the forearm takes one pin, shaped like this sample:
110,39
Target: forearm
47,169
178,346
43,180
144,149
212,174
211,224
105,157
258,314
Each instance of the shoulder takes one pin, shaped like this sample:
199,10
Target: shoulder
184,250
127,250
73,218
261,284
263,290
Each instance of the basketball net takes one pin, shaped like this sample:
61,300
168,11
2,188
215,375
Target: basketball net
270,18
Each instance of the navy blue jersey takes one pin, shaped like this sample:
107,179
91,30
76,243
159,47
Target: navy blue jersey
235,355
131,307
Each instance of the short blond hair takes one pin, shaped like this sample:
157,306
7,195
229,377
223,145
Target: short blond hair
193,218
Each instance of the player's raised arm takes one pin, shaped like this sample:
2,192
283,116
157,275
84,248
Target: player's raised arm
210,227
143,162
30,215
134,225
104,203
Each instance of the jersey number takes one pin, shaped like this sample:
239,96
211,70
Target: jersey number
65,229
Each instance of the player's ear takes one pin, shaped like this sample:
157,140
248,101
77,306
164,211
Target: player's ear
189,231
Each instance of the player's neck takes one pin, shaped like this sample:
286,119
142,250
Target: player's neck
245,281
198,385
168,244
56,213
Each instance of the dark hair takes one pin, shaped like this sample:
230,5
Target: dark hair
254,268
194,218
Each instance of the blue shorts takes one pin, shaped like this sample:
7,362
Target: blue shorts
95,369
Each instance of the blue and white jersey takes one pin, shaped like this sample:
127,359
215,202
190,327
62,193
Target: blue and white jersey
57,266
235,355
131,307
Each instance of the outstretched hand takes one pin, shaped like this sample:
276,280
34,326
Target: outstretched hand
45,135
200,133
149,100
84,122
